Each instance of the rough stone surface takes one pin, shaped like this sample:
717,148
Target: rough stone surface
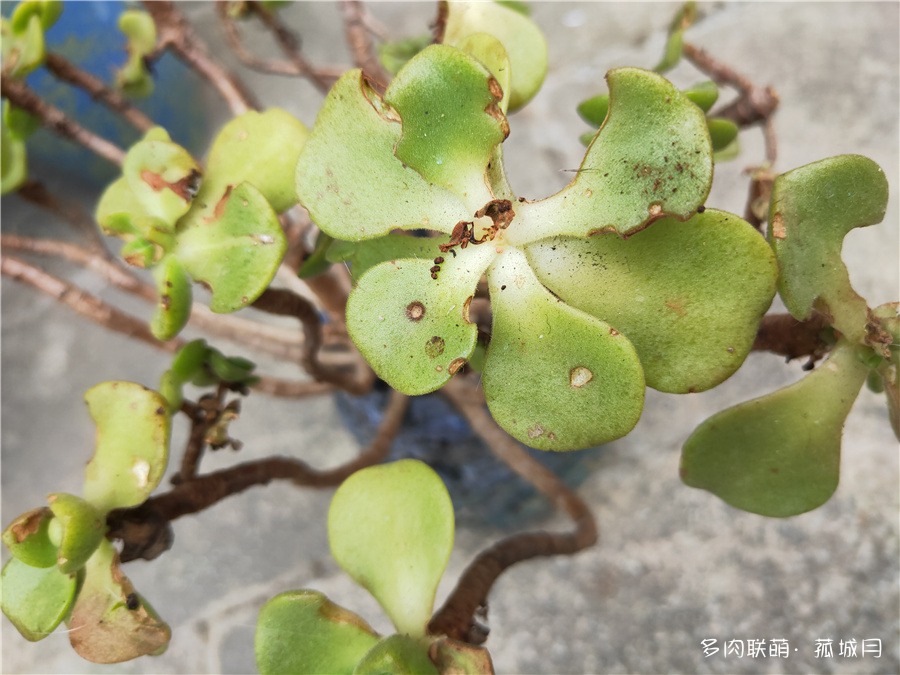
674,566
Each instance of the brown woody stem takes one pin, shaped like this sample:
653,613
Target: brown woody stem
359,39
176,33
145,529
456,618
21,96
783,334
67,71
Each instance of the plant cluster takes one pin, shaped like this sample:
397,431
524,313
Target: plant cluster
431,274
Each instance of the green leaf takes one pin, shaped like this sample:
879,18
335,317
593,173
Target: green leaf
722,132
689,295
140,29
413,330
812,209
704,94
554,377
672,54
162,177
110,622
397,655
260,149
22,42
173,286
652,157
234,248
451,122
390,527
352,141
519,35
36,599
140,252
20,123
489,51
304,632
394,55
81,528
47,11
132,444
362,256
593,110
779,455
317,261
27,539
187,364
13,162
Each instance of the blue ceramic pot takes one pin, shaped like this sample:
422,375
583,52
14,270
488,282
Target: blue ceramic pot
485,492
87,34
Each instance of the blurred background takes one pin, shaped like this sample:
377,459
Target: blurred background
674,566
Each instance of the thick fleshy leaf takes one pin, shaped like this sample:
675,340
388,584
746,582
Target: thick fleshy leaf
453,656
13,162
554,377
722,132
888,372
140,29
812,209
110,622
651,157
353,141
79,529
36,599
674,44
414,330
391,528
779,455
132,444
593,110
119,214
173,286
261,149
688,295
519,35
304,632
233,248
23,45
394,55
489,51
27,539
397,655
704,94
362,256
450,120
162,176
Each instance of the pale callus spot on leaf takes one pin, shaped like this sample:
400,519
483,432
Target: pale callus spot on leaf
141,471
580,376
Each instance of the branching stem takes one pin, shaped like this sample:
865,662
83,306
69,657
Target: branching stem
457,617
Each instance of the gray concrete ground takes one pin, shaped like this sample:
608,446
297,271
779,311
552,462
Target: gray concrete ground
674,566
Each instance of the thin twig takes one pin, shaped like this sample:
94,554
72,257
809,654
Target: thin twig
69,211
287,303
67,71
83,302
145,529
456,618
296,65
176,33
360,42
21,96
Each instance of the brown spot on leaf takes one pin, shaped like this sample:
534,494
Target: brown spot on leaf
29,523
536,431
676,306
415,311
613,331
655,210
165,301
466,305
455,365
435,347
186,188
220,205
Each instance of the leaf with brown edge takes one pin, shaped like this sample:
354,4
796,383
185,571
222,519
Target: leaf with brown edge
110,622
450,120
27,539
353,140
812,210
651,158
233,248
